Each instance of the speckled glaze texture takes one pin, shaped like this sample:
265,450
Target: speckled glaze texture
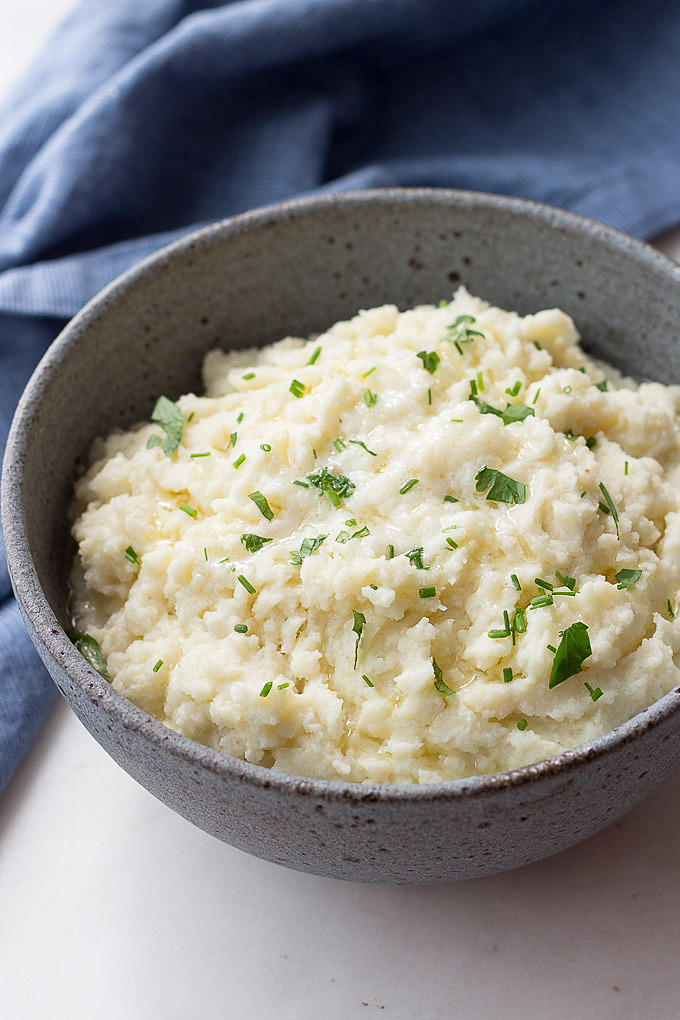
296,269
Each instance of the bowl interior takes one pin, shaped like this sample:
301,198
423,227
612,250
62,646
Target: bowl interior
296,269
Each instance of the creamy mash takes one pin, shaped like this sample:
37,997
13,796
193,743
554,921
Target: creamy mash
421,546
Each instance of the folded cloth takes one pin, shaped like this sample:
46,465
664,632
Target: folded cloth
142,120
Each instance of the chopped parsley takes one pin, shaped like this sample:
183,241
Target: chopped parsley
430,360
627,578
241,628
315,355
131,555
416,558
361,533
167,414
190,510
358,629
625,468
157,666
536,396
459,332
572,651
253,543
368,682
297,388
594,692
92,653
602,386
309,545
261,503
370,398
336,487
427,593
512,412
612,508
239,460
408,485
246,584
502,488
266,689
451,499
439,682
359,442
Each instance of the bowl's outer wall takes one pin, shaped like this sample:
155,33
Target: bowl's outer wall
296,270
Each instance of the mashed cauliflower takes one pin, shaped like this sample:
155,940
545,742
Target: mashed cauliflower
421,546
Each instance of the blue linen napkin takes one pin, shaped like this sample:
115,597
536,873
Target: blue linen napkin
142,120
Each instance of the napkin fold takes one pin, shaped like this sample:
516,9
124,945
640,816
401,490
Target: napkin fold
142,120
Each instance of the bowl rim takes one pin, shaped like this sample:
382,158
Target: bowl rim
46,629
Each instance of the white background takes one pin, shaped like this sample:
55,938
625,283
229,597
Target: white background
111,906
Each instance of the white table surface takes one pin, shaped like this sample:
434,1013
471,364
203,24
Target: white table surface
112,906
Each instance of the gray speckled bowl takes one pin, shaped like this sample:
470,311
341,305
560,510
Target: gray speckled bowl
297,268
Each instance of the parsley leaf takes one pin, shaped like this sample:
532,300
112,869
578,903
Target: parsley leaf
439,682
309,545
261,503
168,415
571,652
416,558
430,360
336,487
512,413
253,543
627,578
459,332
502,488
92,653
611,508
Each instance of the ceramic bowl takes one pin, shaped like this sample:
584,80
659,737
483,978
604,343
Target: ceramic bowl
295,269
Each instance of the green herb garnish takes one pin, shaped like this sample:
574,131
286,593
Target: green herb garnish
314,356
451,544
594,692
612,508
459,332
502,489
309,545
408,485
248,375
669,607
370,371
370,398
568,582
416,558
241,628
507,675
282,687
339,445
157,666
439,682
358,628
336,487
266,689
427,593
602,385
512,413
131,555
92,653
359,442
168,415
239,460
627,578
297,388
451,499
253,543
390,552
262,505
430,360
190,510
368,682
266,447
514,390
515,581
506,630
199,454
246,584
571,652
522,725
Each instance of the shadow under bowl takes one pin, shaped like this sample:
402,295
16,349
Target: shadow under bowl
295,269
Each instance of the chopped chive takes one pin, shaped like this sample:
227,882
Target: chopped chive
430,360
253,543
568,582
439,682
415,556
190,416
602,386
233,436
339,445
594,692
373,586
520,621
551,648
515,581
282,687
514,390
333,486
583,494
591,441
473,388
451,499
241,628
361,533
522,724
537,345
358,629
408,485
131,555
266,689
342,537
612,509
366,374
246,584
351,522
427,593
314,356
92,653
359,442
261,503
370,398
451,543
303,485
188,509
239,460
205,553
543,584
541,601
507,675
200,454
266,447
458,421
240,418
480,381
603,507
248,375
536,397
429,396
670,609
390,552
625,468
566,389
158,665
314,453
297,388
367,681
